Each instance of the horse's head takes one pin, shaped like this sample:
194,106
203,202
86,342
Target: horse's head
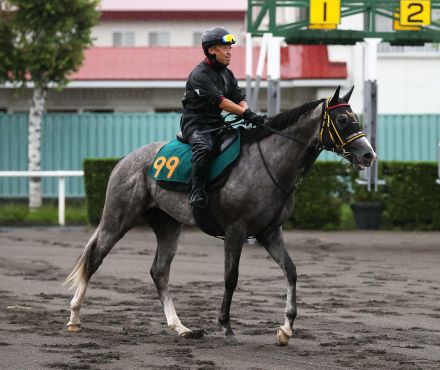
341,132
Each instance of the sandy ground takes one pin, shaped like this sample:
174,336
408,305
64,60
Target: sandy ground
366,300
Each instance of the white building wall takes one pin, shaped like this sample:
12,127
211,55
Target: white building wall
181,32
408,82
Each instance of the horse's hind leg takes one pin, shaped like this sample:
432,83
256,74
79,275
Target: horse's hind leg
125,206
78,278
273,242
96,249
167,231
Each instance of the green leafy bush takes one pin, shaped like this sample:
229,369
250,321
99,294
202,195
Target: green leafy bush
320,197
412,197
96,175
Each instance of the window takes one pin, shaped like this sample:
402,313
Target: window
428,49
123,38
168,110
159,39
98,111
197,38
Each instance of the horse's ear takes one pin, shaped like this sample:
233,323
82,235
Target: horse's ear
348,95
335,99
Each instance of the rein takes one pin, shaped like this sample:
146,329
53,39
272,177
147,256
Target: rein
287,192
326,122
327,126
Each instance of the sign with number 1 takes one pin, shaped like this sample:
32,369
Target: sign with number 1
325,12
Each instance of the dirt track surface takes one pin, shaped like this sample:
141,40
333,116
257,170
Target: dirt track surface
366,300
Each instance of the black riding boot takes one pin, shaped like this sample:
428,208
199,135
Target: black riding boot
198,193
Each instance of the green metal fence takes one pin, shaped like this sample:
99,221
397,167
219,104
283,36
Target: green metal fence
69,138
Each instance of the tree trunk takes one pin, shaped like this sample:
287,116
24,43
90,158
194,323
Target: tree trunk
34,145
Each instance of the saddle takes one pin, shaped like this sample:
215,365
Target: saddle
171,170
171,167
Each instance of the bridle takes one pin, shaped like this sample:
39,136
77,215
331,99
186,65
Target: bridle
329,127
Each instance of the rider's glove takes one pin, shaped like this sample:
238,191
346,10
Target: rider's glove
252,117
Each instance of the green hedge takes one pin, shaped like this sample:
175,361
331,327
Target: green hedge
410,196
96,175
320,197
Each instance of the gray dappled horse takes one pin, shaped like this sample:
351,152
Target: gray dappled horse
256,199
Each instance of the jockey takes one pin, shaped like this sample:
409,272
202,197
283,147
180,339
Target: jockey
211,88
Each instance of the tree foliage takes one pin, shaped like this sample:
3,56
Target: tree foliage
43,41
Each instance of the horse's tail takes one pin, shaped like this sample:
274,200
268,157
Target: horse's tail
79,274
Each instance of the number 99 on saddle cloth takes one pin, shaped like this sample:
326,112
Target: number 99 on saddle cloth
171,168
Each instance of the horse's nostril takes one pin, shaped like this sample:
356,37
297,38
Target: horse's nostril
368,156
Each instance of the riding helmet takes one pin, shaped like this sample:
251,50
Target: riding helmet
216,36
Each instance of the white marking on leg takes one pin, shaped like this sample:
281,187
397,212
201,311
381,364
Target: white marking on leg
173,320
286,327
75,304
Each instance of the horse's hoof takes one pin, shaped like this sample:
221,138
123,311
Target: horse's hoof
193,334
74,328
282,337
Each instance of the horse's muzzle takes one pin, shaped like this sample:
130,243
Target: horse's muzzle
362,154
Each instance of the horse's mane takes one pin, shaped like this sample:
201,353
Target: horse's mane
279,122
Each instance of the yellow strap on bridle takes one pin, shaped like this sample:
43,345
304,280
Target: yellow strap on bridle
328,122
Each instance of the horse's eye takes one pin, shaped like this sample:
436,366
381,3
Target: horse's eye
342,118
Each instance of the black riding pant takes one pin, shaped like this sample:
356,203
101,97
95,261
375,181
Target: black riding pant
203,147
203,150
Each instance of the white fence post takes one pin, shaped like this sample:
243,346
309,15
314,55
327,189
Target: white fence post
61,200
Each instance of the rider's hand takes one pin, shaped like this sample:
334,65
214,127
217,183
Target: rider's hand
252,117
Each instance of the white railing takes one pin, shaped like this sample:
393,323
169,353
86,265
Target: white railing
61,185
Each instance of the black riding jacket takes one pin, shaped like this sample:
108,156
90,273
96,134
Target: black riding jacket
208,84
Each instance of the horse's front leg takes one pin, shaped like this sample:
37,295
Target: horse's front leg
234,239
273,242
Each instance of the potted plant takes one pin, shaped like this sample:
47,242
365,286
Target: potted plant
367,208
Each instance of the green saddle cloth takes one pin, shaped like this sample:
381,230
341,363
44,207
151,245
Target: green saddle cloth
172,163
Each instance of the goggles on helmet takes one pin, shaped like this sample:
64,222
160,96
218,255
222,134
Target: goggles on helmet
229,39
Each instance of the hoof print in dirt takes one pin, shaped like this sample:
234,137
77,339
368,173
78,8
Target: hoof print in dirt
231,340
193,334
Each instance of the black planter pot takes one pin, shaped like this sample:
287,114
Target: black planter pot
368,215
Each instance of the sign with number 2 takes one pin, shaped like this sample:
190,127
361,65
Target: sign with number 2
415,12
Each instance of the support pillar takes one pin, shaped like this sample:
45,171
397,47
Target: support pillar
369,176
273,76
